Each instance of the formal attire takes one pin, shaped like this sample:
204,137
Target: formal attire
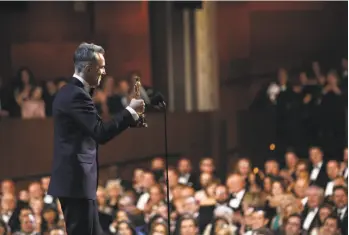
235,200
318,175
310,218
189,179
343,217
78,130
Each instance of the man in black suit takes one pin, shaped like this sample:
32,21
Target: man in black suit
310,214
78,130
186,176
318,175
340,199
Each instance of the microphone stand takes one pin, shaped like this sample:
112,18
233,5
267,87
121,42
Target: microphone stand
166,164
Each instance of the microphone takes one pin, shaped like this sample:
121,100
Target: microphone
157,102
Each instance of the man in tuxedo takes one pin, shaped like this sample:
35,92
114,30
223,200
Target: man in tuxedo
310,213
340,199
187,177
318,174
78,130
236,187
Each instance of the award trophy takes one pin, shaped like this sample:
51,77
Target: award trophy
137,88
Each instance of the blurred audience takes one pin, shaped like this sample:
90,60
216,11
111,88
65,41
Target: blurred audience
305,197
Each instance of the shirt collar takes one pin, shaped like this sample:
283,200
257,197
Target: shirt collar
319,165
86,85
240,194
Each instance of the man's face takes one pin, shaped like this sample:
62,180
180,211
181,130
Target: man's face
315,155
221,194
35,190
313,198
188,227
158,164
8,202
190,205
184,166
138,175
24,213
293,226
95,70
291,159
45,181
259,220
271,168
207,166
28,224
205,179
300,188
340,198
235,183
330,227
7,186
332,169
23,196
155,194
282,76
148,180
324,212
244,167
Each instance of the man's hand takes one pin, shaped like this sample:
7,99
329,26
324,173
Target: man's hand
137,105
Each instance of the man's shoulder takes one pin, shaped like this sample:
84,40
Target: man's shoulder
69,92
66,95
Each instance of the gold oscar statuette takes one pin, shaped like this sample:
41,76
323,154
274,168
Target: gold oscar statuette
137,89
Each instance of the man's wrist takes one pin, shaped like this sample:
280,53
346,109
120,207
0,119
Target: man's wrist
134,114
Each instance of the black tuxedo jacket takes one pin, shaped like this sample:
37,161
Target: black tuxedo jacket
344,222
316,221
322,178
78,130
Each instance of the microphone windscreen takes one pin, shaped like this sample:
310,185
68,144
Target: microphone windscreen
157,99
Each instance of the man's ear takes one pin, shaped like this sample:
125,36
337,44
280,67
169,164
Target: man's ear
88,68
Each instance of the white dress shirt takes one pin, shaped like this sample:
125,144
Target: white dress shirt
6,217
341,213
235,202
315,172
309,219
142,201
87,88
183,179
304,201
329,188
48,199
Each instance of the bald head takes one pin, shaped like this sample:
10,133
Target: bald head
235,183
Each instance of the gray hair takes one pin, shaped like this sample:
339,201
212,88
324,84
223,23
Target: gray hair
86,53
319,190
